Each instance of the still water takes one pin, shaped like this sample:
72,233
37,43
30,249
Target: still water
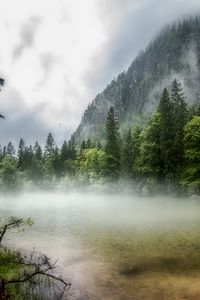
100,239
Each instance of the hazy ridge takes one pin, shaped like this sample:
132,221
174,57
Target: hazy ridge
135,93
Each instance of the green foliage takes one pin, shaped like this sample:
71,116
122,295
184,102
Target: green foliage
136,139
180,119
10,151
161,152
164,153
191,173
92,164
8,173
134,91
166,134
50,144
128,155
112,148
64,151
149,161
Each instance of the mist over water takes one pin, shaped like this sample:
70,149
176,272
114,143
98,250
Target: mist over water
83,230
101,210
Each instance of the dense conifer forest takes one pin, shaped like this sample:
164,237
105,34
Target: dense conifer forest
140,135
161,156
135,93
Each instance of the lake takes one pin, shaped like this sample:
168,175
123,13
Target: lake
114,246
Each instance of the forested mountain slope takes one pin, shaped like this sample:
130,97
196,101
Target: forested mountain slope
174,53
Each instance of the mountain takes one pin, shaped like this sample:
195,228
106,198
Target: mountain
174,53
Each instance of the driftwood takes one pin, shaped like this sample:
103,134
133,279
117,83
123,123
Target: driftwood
32,268
31,272
13,223
37,265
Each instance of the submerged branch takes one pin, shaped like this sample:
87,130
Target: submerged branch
10,225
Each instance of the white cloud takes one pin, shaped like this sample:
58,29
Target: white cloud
51,40
70,49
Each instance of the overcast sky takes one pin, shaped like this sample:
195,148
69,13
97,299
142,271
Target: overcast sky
56,55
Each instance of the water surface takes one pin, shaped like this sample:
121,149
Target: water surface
111,246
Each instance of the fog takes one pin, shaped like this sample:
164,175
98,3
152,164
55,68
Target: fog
82,230
102,210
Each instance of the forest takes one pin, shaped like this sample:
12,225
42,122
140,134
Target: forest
111,210
135,93
161,156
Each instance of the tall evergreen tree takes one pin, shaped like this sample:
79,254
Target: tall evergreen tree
191,173
4,151
50,144
166,133
37,152
72,148
88,144
64,151
20,153
112,148
149,161
28,159
37,168
128,155
136,138
83,145
99,145
57,163
180,120
10,149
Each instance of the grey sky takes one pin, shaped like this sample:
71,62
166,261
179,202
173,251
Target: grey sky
27,35
57,55
131,26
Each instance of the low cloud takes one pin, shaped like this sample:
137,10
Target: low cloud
27,36
76,50
47,62
130,26
20,120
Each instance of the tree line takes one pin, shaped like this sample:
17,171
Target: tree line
163,155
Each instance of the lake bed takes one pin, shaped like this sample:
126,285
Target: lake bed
114,246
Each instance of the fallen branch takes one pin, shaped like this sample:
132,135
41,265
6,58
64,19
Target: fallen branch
11,224
30,269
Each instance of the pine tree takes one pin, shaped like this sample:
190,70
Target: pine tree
37,152
166,133
57,163
149,161
31,153
27,162
128,155
112,148
180,120
83,145
21,151
10,150
36,170
136,139
50,144
64,151
4,151
88,144
191,172
99,145
72,148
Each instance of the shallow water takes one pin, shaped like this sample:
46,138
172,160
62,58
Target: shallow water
92,236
